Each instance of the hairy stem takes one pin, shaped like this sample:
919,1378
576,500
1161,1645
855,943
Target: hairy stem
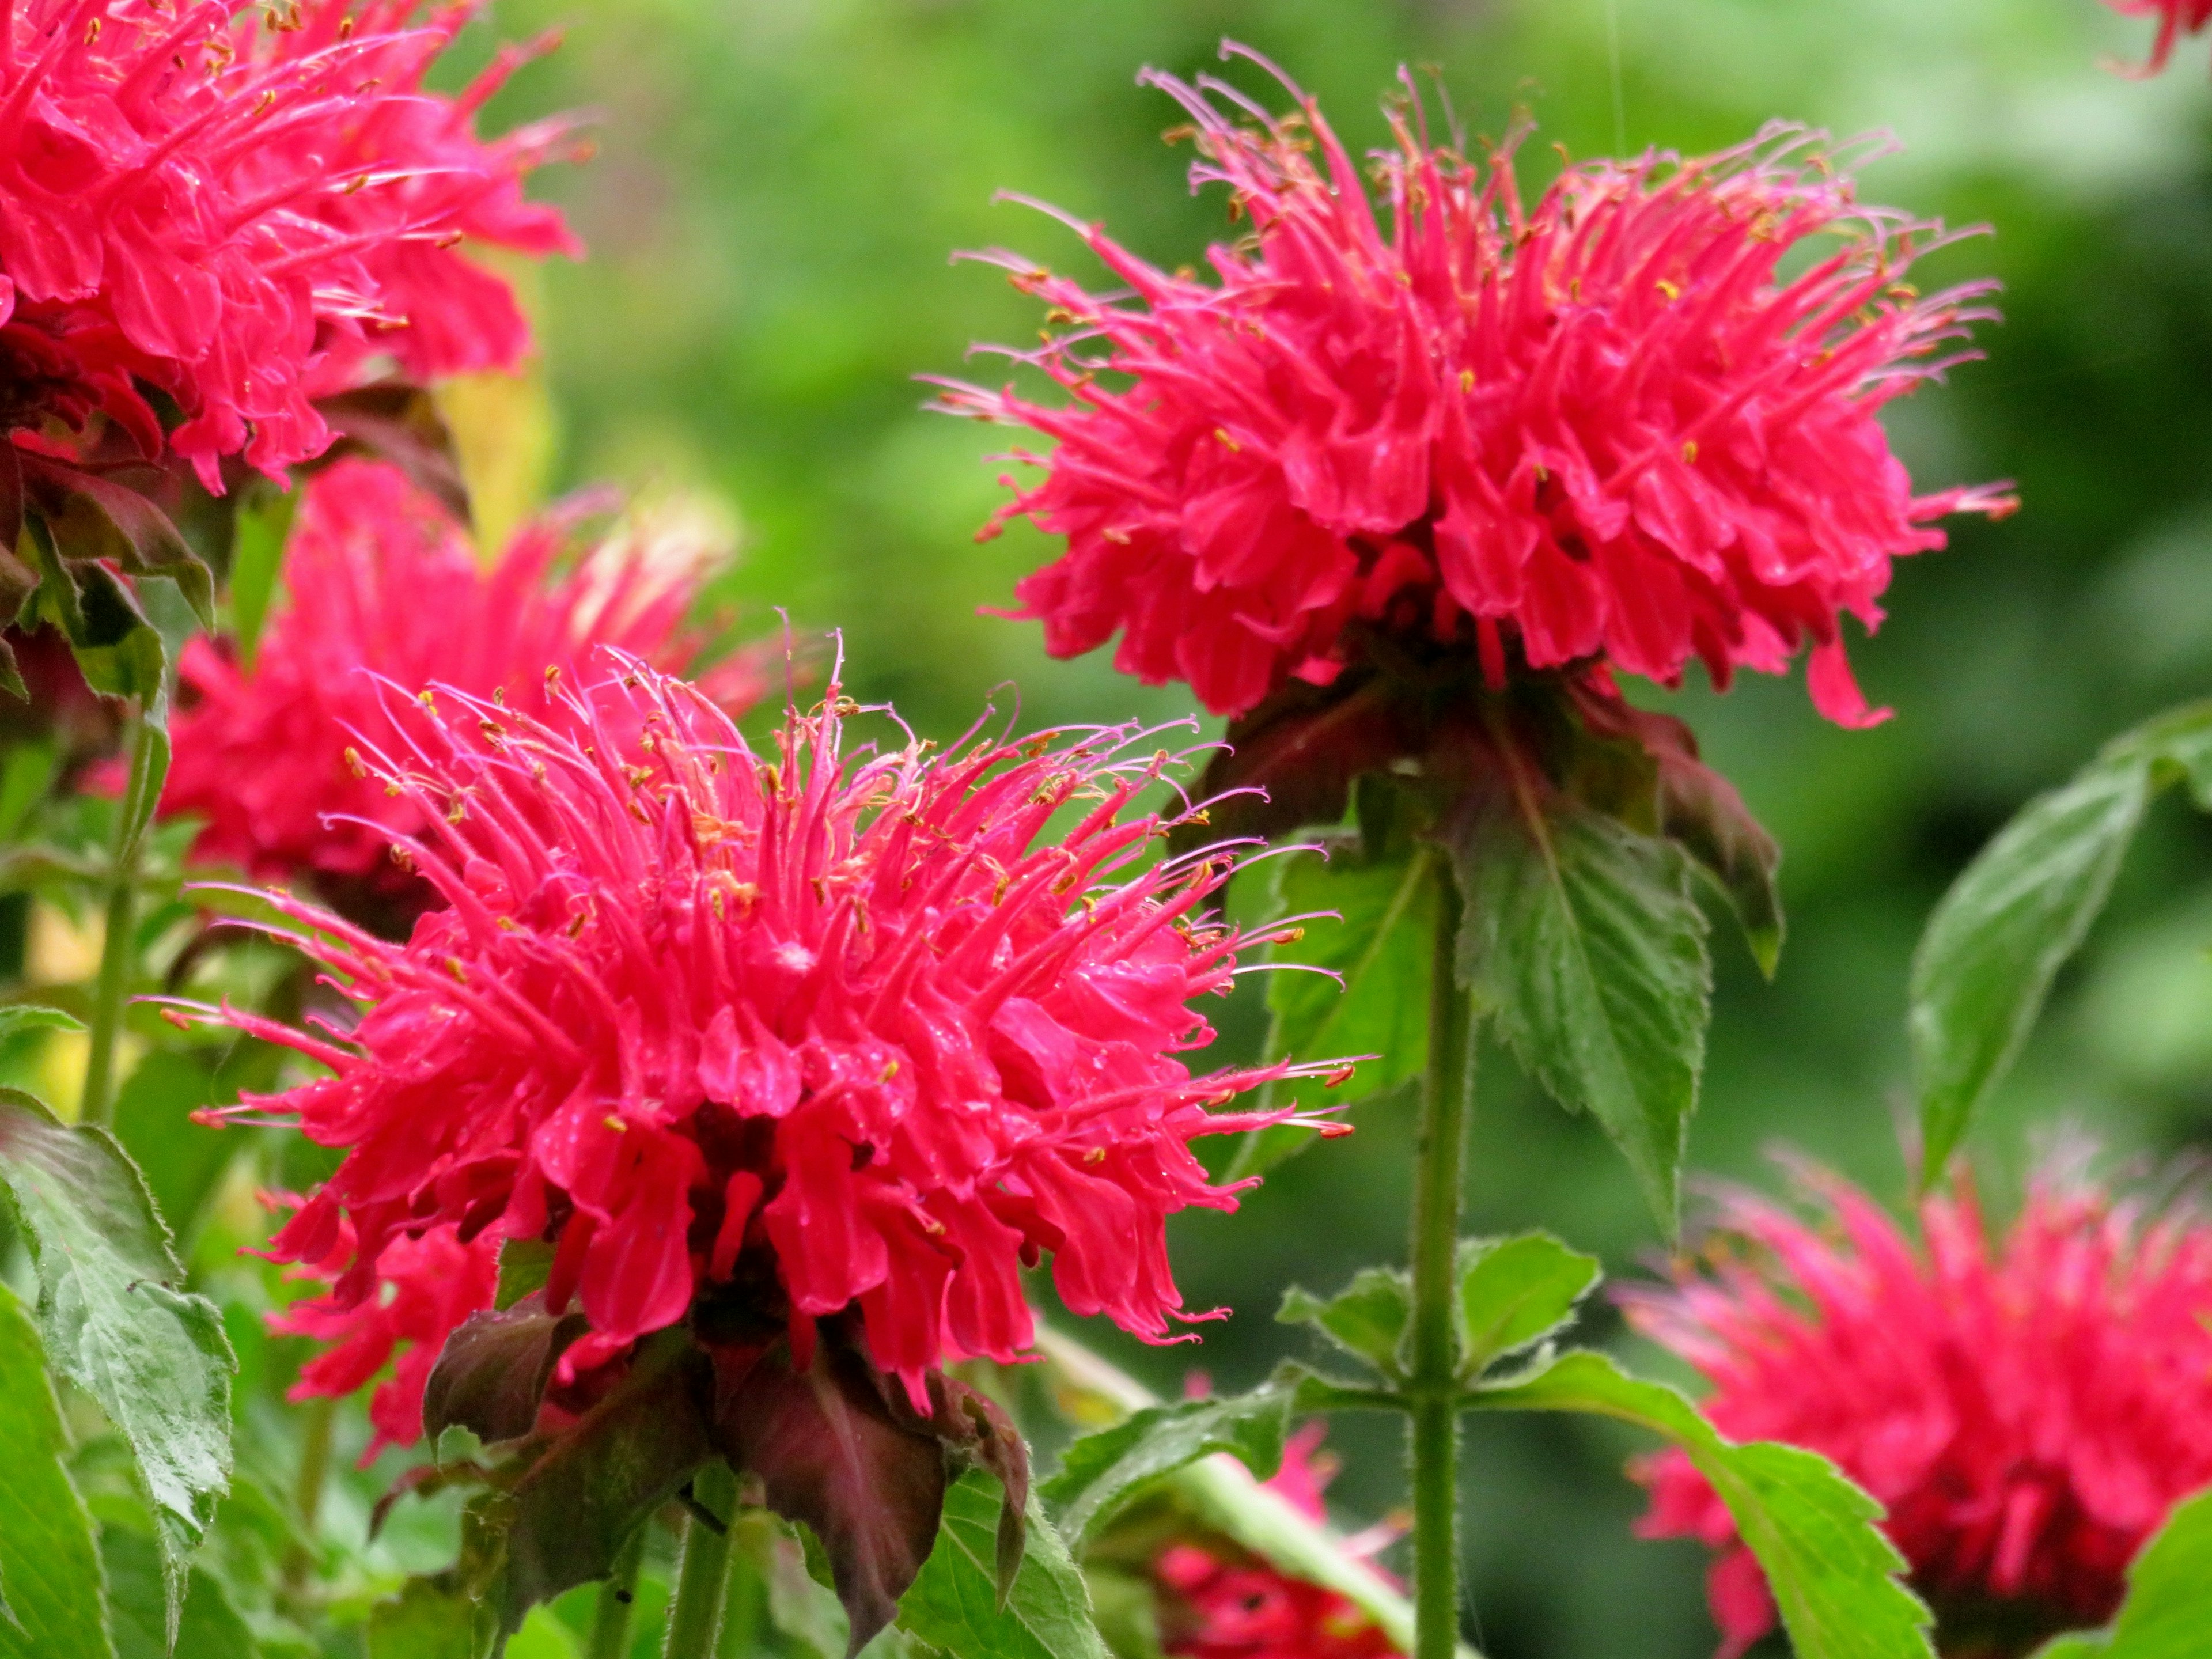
694,1617
119,946
610,1617
1433,1384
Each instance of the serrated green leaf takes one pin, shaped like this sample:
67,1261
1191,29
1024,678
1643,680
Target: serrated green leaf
49,1571
2168,1612
1834,1575
1583,940
1381,952
1513,1293
114,1322
953,1604
1996,941
1101,1472
1367,1318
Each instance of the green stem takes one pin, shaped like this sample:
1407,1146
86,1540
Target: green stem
119,946
694,1617
1433,1384
611,1619
316,1423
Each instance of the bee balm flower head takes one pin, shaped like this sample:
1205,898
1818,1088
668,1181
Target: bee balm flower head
243,207
807,1034
1607,426
2027,1407
382,590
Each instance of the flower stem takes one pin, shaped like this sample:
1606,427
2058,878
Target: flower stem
118,945
610,1617
1434,1383
316,1423
694,1617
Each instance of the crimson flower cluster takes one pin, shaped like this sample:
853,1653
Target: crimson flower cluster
1232,1607
2027,1408
242,208
821,1030
1603,425
384,590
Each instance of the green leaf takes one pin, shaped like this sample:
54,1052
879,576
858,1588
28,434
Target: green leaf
1582,939
1221,1496
1516,1291
2169,1606
114,1323
1834,1575
26,772
19,1017
800,1609
525,1265
211,1628
257,559
953,1604
49,1571
1367,1318
1101,1472
1382,949
1996,941
181,1161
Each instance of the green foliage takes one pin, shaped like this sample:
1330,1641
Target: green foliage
50,1570
113,1321
1833,1574
19,1017
2017,913
954,1604
257,559
2168,1612
1101,1471
1374,999
1515,1292
565,1517
1367,1319
1583,940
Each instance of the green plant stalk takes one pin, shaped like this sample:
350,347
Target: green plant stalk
702,1582
610,1637
118,945
1433,1384
317,1420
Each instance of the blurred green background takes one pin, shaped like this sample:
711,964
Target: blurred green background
779,184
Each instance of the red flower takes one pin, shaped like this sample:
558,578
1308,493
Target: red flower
239,206
1602,426
384,591
1240,1609
2027,1411
800,1033
2175,18
417,1290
